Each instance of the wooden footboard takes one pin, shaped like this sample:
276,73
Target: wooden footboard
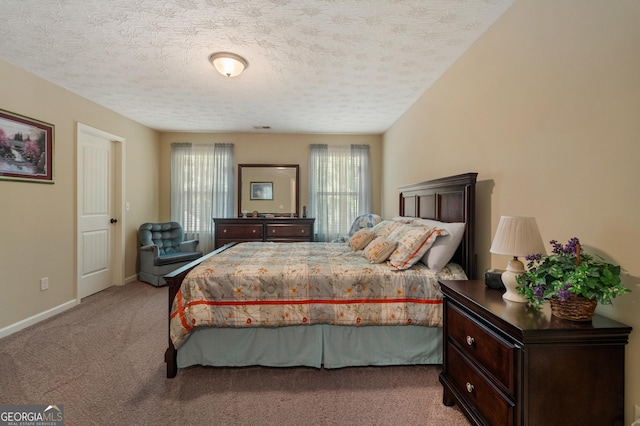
174,281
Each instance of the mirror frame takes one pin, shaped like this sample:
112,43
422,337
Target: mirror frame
288,166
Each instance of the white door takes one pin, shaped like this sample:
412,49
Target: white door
98,221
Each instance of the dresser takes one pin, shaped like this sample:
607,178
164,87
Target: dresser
277,229
506,363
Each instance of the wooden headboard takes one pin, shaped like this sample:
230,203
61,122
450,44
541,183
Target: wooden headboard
449,199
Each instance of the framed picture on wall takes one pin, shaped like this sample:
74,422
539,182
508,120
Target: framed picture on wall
261,190
26,148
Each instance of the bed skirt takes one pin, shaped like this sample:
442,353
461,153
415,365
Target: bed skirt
327,346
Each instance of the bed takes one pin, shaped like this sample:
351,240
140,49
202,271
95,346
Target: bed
319,304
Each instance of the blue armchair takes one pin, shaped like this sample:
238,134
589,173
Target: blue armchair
162,249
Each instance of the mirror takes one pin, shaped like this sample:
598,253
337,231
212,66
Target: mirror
269,189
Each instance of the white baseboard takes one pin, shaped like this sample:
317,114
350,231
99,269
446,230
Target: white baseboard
4,332
131,279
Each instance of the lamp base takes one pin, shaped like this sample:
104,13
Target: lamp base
514,269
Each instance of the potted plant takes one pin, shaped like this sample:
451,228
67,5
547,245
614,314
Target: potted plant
572,280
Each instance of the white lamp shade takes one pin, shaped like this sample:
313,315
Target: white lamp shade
517,236
228,64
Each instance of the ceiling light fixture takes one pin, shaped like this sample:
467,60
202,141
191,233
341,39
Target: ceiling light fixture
228,64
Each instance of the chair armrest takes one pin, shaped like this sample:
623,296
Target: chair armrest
152,248
190,245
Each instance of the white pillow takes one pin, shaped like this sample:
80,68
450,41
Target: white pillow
444,247
413,242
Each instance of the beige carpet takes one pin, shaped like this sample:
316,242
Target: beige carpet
103,361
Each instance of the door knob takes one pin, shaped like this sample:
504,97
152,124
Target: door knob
114,220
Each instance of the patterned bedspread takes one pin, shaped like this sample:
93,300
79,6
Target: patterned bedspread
276,284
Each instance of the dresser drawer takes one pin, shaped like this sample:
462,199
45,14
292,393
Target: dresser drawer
494,407
240,232
493,353
288,231
280,230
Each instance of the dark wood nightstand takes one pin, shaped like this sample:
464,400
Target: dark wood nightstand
506,363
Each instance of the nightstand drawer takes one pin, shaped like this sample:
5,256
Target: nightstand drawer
489,350
287,231
245,232
495,408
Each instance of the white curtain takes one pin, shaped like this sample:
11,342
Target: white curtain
339,188
202,187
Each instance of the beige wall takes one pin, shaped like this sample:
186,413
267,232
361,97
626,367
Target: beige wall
259,148
545,106
37,221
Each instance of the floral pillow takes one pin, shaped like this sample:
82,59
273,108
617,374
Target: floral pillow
404,219
386,227
379,250
361,238
413,242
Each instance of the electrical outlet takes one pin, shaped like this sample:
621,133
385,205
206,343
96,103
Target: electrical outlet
636,412
44,283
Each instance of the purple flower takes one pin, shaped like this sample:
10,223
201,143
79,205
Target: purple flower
565,294
538,292
534,257
570,248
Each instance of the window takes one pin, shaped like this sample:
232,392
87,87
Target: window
201,188
339,188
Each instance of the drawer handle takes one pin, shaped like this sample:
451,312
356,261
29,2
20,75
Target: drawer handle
302,231
254,231
273,231
470,340
224,231
469,387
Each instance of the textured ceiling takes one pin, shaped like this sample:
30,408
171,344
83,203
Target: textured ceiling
323,66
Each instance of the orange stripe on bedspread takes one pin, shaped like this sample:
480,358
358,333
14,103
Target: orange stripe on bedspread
180,311
305,302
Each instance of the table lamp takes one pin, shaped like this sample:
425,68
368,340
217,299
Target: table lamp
516,236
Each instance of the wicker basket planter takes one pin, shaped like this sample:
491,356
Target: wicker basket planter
578,309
